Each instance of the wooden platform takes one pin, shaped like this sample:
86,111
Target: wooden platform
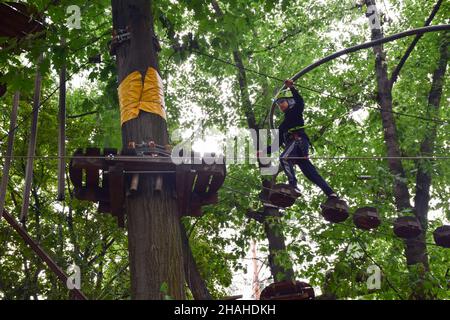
288,290
18,20
104,177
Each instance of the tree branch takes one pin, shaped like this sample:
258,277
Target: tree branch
82,114
411,47
424,177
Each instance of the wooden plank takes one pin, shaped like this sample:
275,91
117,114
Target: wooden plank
180,182
202,183
9,151
216,183
32,142
117,192
82,162
62,132
92,174
184,182
204,200
195,211
76,174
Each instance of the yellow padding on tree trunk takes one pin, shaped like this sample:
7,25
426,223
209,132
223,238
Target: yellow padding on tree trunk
135,95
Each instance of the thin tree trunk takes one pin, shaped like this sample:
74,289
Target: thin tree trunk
32,142
273,231
9,151
423,178
401,192
154,238
424,173
275,236
255,283
413,44
62,131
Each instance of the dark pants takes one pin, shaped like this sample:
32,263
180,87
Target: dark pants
299,148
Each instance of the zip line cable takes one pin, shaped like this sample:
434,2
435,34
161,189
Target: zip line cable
106,157
326,95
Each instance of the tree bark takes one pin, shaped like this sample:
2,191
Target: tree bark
9,151
277,244
154,239
401,192
62,130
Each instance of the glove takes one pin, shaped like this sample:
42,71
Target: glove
289,83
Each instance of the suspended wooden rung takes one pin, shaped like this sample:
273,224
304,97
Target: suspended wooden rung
282,195
86,179
442,236
407,227
288,290
3,89
335,210
366,218
197,186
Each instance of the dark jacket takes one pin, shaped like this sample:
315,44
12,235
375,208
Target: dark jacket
292,122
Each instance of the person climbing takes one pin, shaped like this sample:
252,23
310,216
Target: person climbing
292,135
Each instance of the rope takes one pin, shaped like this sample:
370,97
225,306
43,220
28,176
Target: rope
312,89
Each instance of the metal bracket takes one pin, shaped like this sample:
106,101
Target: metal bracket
119,36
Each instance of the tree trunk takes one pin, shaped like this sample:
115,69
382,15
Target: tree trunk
32,142
154,240
401,192
277,245
272,228
9,151
193,278
415,249
423,178
424,174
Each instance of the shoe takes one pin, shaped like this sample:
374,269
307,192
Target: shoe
296,191
333,195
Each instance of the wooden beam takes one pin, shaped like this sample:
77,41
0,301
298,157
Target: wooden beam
9,151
